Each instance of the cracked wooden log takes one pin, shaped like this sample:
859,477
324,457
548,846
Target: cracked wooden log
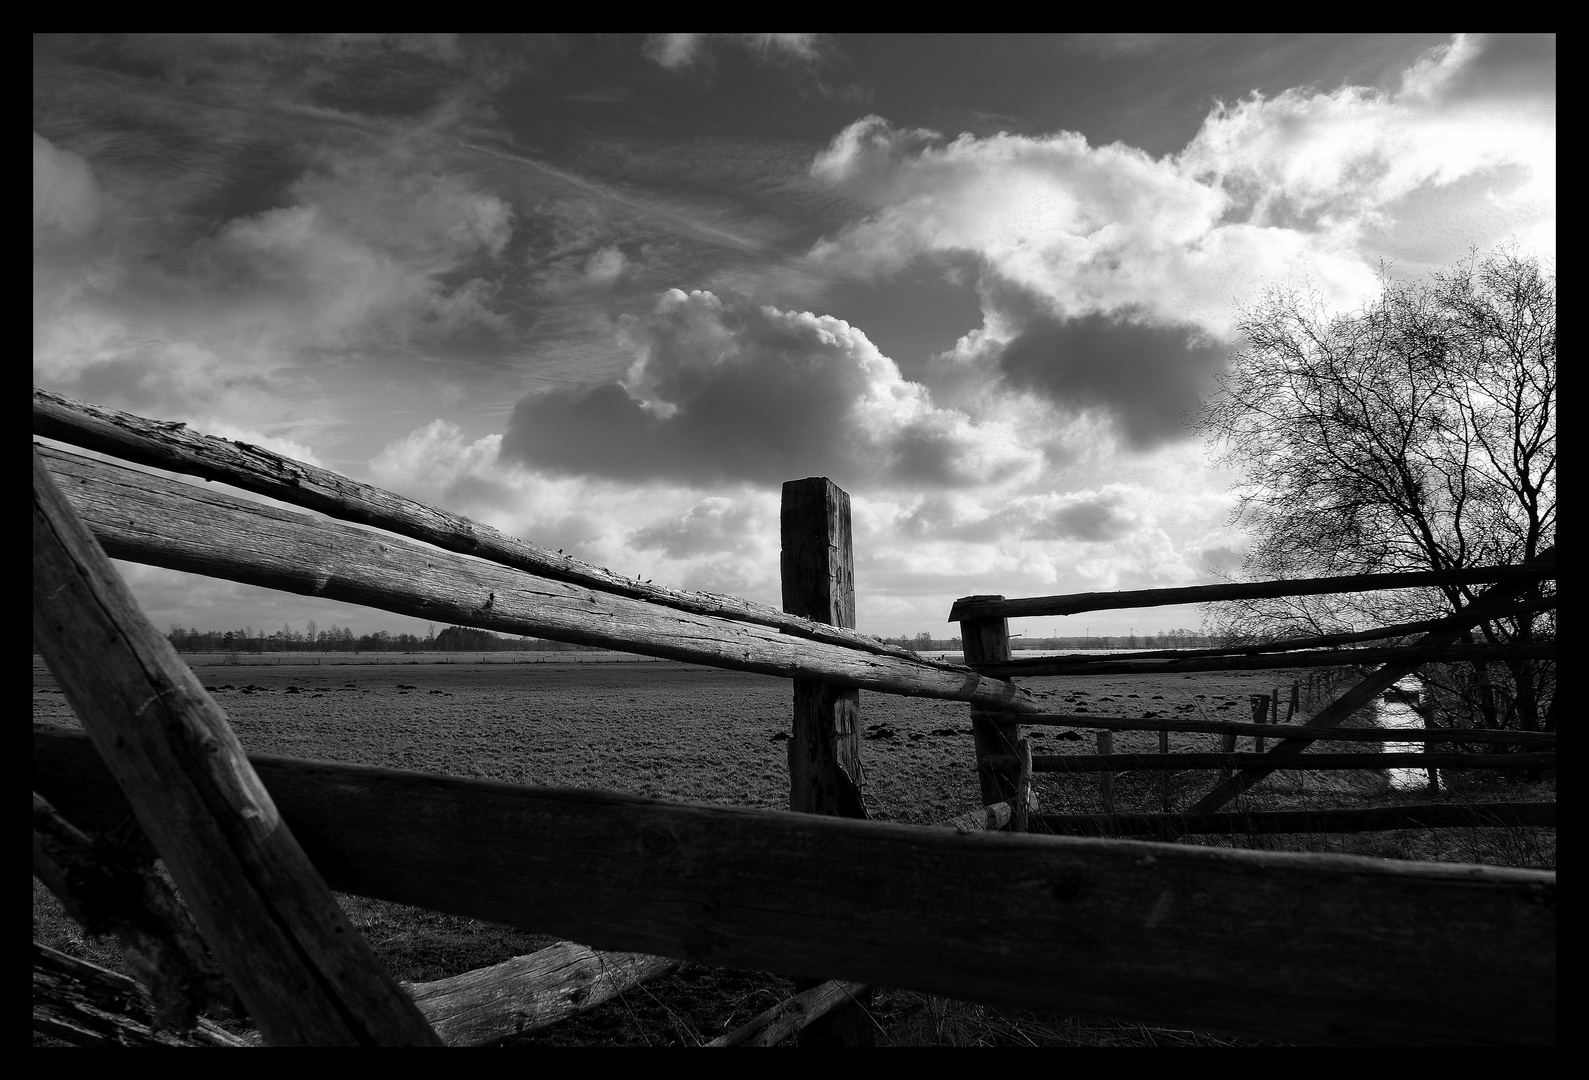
528,993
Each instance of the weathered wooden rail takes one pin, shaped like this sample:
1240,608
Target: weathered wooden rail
1162,932
1152,932
151,519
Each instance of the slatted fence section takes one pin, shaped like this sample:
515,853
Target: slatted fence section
989,615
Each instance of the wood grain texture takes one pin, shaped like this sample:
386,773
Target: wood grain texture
89,1005
1508,815
793,1014
817,568
528,993
150,519
1159,933
252,468
978,607
304,973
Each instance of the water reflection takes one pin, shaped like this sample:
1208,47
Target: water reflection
1400,713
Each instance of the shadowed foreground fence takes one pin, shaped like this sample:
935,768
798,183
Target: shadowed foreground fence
1152,932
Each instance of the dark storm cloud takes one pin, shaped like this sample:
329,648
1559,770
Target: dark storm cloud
728,390
1092,518
1146,376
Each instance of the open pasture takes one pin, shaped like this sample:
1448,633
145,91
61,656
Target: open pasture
657,728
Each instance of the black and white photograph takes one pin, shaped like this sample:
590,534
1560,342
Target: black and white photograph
889,539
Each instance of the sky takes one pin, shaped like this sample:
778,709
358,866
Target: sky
607,293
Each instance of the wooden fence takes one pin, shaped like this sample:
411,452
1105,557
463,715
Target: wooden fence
1146,931
1006,762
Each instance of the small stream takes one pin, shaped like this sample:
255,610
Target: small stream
1400,714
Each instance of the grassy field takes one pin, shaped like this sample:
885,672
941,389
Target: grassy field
702,735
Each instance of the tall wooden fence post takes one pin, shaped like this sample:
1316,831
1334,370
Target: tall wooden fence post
817,566
987,641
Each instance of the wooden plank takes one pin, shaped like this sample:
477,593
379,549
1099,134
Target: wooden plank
1312,762
1158,933
304,973
150,519
528,993
1370,819
793,1014
89,1005
1494,600
175,448
1337,734
1124,665
981,607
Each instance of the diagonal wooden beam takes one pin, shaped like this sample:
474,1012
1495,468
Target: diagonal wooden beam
305,974
1486,606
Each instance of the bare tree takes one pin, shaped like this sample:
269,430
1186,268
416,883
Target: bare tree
1416,434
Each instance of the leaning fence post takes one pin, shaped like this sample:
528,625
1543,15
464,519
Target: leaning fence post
817,566
987,641
306,975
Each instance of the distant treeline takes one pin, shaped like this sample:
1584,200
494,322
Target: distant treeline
343,640
1164,639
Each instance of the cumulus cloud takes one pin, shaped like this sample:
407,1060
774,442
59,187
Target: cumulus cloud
431,462
1111,280
365,253
1142,374
1339,162
726,390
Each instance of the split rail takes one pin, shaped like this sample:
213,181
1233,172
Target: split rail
1145,931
